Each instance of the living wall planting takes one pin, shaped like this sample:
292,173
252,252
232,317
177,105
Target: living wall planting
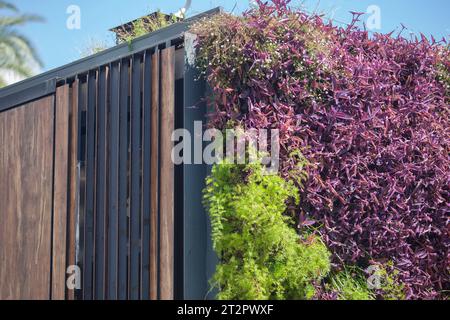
261,255
369,112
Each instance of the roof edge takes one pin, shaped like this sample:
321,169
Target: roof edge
9,95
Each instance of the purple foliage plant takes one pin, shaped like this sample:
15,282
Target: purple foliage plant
370,113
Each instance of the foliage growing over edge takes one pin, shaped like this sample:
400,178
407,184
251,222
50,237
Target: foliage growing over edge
145,25
261,255
369,113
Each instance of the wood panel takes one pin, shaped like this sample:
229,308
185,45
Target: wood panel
26,171
154,164
135,178
82,179
146,176
167,174
60,204
127,214
73,183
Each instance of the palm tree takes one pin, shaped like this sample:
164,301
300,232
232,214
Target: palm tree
17,54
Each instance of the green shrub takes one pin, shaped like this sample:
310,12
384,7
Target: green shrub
143,26
261,255
443,69
350,284
391,288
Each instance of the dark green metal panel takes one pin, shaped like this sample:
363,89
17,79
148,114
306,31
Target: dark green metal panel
199,259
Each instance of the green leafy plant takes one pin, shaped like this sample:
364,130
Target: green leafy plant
261,255
93,46
350,284
391,288
443,68
146,25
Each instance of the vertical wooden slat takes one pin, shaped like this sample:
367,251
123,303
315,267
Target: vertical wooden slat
60,197
123,160
135,196
179,188
146,176
154,178
90,186
73,156
81,182
113,150
167,174
26,167
101,195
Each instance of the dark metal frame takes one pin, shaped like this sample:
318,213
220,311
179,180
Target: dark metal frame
45,83
199,257
113,225
123,177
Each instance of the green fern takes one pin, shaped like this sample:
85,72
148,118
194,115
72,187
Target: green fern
261,256
350,284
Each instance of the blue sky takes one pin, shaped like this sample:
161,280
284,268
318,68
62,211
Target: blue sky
57,45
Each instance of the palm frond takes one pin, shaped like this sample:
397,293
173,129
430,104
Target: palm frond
8,6
17,54
10,21
2,82
20,46
19,69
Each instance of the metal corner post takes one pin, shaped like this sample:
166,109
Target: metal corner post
198,257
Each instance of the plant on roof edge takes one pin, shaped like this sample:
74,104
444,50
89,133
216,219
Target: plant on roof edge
146,25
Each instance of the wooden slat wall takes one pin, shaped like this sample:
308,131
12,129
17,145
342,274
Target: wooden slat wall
26,177
82,84
146,175
129,219
65,188
40,140
135,179
115,220
154,178
73,176
166,240
60,201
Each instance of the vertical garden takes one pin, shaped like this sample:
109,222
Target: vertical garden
364,179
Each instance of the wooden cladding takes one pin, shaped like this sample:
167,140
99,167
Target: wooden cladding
87,180
88,190
167,175
64,189
61,194
38,210
26,170
127,194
